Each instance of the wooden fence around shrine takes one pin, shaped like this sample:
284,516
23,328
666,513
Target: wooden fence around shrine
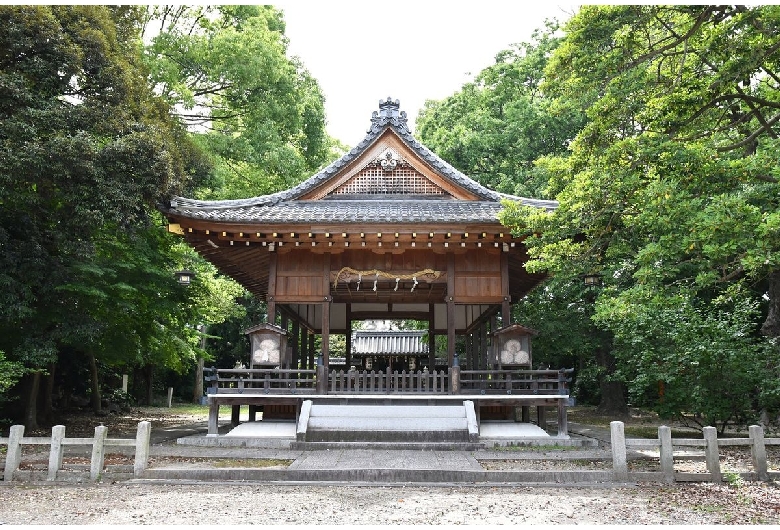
365,382
259,381
276,381
521,382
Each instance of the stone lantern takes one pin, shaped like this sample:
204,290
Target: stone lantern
513,346
267,345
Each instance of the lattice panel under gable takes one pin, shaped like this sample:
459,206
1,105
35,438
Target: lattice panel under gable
403,180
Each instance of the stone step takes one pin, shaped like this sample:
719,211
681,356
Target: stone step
368,423
422,424
388,446
384,411
387,436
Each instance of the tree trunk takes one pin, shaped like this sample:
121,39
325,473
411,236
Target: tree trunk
613,393
94,384
771,326
31,401
148,371
197,392
47,407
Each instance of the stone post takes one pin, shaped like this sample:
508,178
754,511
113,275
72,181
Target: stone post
711,454
667,455
13,455
455,375
618,442
213,416
303,421
142,437
758,451
322,377
98,452
55,451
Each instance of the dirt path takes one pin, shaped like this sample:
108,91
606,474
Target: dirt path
123,503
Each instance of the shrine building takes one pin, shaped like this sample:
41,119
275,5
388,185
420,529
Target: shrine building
389,231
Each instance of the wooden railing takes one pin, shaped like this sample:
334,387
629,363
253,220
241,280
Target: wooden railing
278,381
259,381
387,382
522,382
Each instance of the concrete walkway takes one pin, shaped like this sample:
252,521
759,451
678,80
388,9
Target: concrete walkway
175,462
386,459
240,442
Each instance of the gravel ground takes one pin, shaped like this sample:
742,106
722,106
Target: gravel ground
213,503
123,503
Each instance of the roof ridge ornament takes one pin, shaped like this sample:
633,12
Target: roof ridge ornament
389,110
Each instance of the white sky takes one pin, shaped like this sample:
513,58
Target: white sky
364,51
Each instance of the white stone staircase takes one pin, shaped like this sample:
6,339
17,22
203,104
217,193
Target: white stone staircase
384,425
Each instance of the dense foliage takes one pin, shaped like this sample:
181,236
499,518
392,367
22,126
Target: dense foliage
496,126
670,193
93,132
259,115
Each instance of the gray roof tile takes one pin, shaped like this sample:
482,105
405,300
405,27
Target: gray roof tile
283,207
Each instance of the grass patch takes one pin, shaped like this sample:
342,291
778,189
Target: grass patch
651,432
253,462
189,408
536,448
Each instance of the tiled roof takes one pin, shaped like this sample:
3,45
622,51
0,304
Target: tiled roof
375,211
389,343
284,206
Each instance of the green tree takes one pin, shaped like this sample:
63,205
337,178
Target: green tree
259,114
496,126
87,151
494,130
671,186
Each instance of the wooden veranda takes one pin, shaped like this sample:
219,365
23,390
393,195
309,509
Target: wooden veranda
389,231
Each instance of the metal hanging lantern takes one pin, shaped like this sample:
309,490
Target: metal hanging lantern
184,277
592,280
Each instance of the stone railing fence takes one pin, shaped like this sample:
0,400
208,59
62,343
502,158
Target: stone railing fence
57,443
666,445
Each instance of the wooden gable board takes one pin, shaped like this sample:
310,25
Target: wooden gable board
389,140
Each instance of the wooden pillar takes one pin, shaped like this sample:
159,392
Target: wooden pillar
312,352
285,360
326,334
294,334
271,297
303,348
450,309
483,346
469,360
506,311
348,360
326,311
431,337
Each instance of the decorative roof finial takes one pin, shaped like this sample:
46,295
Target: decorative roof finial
389,108
388,113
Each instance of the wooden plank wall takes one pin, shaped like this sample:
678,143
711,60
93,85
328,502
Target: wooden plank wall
478,276
299,277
